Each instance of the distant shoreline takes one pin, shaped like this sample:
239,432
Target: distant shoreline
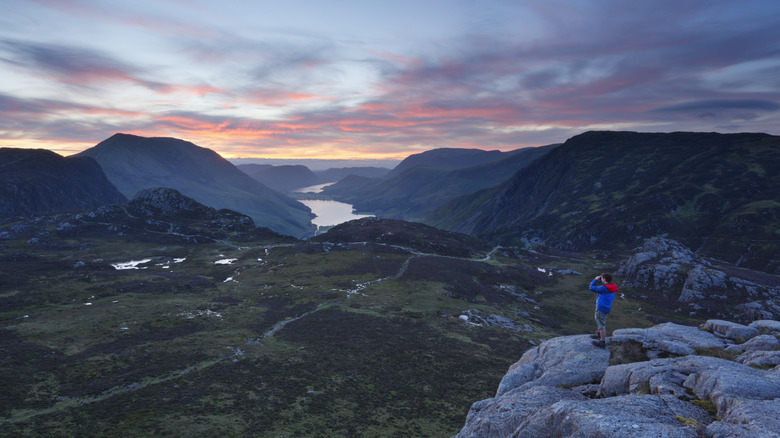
317,164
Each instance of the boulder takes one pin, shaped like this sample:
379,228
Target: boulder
624,416
758,358
660,376
499,417
766,326
474,316
635,377
671,338
749,419
762,342
701,279
565,361
759,310
730,392
731,330
668,269
679,392
659,265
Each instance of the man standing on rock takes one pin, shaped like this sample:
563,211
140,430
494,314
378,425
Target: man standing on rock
606,292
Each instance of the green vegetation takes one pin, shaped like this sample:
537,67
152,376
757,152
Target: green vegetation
687,421
613,190
706,405
280,338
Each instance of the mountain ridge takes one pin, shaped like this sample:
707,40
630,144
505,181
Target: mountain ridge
610,190
135,163
418,190
284,178
34,181
448,158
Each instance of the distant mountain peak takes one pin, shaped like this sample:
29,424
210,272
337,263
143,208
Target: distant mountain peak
135,163
447,158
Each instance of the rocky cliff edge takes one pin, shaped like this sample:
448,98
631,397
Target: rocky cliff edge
721,379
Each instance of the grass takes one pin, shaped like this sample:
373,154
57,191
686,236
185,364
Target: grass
371,343
177,351
706,405
689,422
571,306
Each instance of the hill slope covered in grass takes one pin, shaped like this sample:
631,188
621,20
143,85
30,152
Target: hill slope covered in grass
360,332
430,180
717,193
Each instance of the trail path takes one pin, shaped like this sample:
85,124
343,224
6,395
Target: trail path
236,353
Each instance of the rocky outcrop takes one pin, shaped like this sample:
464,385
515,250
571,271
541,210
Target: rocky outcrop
158,214
718,380
666,268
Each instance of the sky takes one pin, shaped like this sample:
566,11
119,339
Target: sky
379,79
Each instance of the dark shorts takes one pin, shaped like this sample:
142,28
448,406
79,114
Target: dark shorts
601,320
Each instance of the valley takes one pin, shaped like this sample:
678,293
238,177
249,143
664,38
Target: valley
326,337
161,315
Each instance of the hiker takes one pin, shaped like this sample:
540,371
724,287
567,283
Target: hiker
607,291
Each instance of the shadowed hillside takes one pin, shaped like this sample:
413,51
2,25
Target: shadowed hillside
431,179
604,190
282,178
40,181
135,163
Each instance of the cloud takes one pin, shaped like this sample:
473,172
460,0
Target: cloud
70,65
60,120
543,71
728,109
722,104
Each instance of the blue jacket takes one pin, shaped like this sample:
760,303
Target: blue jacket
606,293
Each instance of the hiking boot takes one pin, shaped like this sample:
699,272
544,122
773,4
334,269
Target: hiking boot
600,344
595,336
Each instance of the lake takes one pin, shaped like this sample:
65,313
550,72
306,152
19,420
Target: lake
313,189
331,213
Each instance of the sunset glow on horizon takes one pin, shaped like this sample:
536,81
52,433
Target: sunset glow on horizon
381,80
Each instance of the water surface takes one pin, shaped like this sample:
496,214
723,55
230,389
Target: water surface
331,213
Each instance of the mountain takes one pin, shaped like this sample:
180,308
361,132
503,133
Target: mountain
251,168
284,179
287,178
417,191
718,193
447,158
36,181
135,163
339,173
